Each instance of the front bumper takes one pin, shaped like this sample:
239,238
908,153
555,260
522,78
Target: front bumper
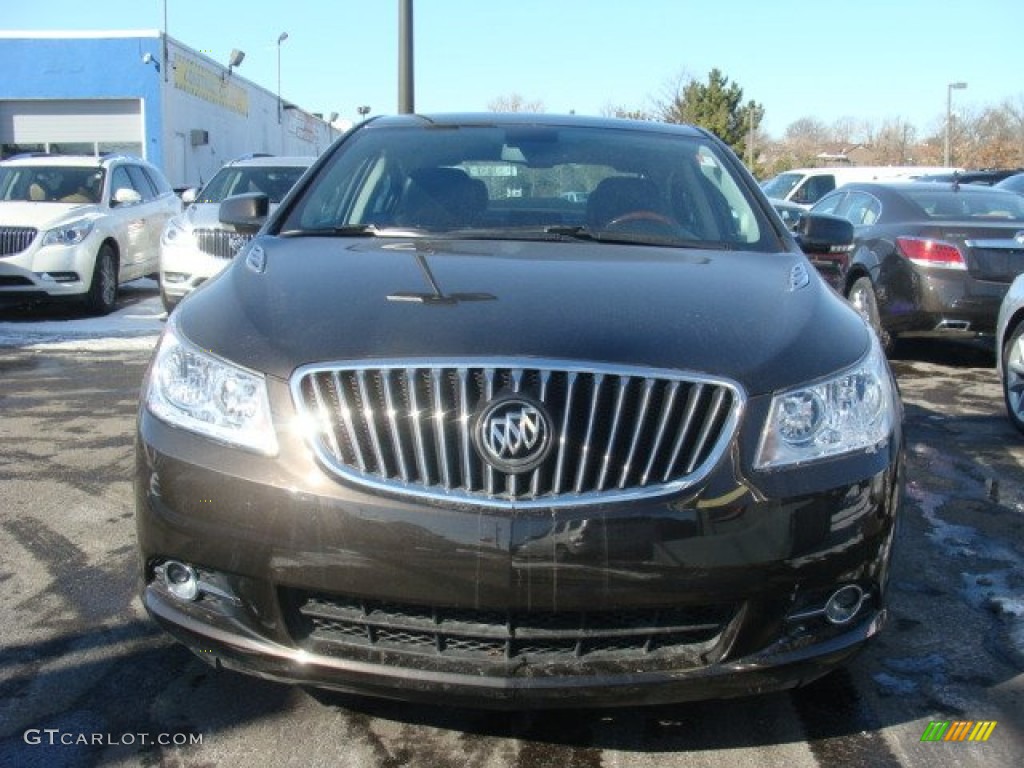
183,269
277,534
49,272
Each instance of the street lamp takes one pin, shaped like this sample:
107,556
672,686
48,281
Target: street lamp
949,118
363,112
280,39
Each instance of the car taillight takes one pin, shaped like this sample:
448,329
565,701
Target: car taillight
931,253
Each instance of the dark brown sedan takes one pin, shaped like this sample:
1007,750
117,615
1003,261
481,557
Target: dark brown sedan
443,431
928,258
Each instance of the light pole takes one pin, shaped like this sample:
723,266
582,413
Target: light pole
363,112
280,39
947,156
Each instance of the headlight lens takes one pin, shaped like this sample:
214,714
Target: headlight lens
853,411
175,234
196,391
71,233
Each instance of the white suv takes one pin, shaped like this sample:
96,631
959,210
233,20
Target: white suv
75,227
195,245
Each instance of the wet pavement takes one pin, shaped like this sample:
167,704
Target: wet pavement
86,679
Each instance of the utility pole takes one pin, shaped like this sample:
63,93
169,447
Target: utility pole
405,60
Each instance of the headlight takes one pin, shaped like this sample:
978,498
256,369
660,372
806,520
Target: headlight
175,234
852,411
71,233
196,391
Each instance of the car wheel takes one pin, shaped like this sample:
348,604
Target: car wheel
862,297
102,295
1013,376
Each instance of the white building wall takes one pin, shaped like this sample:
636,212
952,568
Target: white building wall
212,115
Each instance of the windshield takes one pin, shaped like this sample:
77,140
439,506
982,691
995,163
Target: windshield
274,182
532,181
981,204
781,185
51,184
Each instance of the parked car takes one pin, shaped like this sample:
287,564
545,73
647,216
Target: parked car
929,259
76,227
806,186
986,176
367,449
1013,183
790,213
195,245
1010,350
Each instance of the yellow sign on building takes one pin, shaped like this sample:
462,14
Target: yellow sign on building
209,85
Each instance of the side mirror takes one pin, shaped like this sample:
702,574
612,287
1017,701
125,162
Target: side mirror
126,196
246,213
822,233
189,195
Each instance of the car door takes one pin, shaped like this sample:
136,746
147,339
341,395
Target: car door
128,215
154,213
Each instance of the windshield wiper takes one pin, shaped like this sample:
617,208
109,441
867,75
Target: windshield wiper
351,230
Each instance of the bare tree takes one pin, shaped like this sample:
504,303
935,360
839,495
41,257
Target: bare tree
513,102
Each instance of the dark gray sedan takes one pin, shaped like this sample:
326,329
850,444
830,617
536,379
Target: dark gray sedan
442,431
929,258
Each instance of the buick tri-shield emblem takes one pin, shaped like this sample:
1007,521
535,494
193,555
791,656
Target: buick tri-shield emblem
513,434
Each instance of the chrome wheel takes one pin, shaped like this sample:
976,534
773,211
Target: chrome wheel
1013,376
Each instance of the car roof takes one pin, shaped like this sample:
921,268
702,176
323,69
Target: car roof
73,161
483,119
926,186
272,161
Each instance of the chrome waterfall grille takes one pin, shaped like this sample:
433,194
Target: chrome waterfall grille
15,239
221,243
452,431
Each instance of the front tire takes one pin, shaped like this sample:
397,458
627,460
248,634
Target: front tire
102,296
862,297
1013,376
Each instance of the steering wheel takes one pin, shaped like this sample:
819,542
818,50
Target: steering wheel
641,216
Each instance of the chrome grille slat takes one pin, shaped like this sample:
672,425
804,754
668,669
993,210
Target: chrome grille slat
16,239
371,422
585,449
666,411
417,426
217,242
563,443
396,436
691,409
641,418
616,434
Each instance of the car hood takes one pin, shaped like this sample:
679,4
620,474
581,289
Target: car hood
41,215
722,313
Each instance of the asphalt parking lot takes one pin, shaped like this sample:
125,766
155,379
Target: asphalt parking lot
86,679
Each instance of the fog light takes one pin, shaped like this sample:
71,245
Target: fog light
181,580
844,604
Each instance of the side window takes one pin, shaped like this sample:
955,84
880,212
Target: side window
862,209
160,184
120,180
141,182
829,204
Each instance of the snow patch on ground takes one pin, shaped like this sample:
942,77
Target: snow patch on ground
135,326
